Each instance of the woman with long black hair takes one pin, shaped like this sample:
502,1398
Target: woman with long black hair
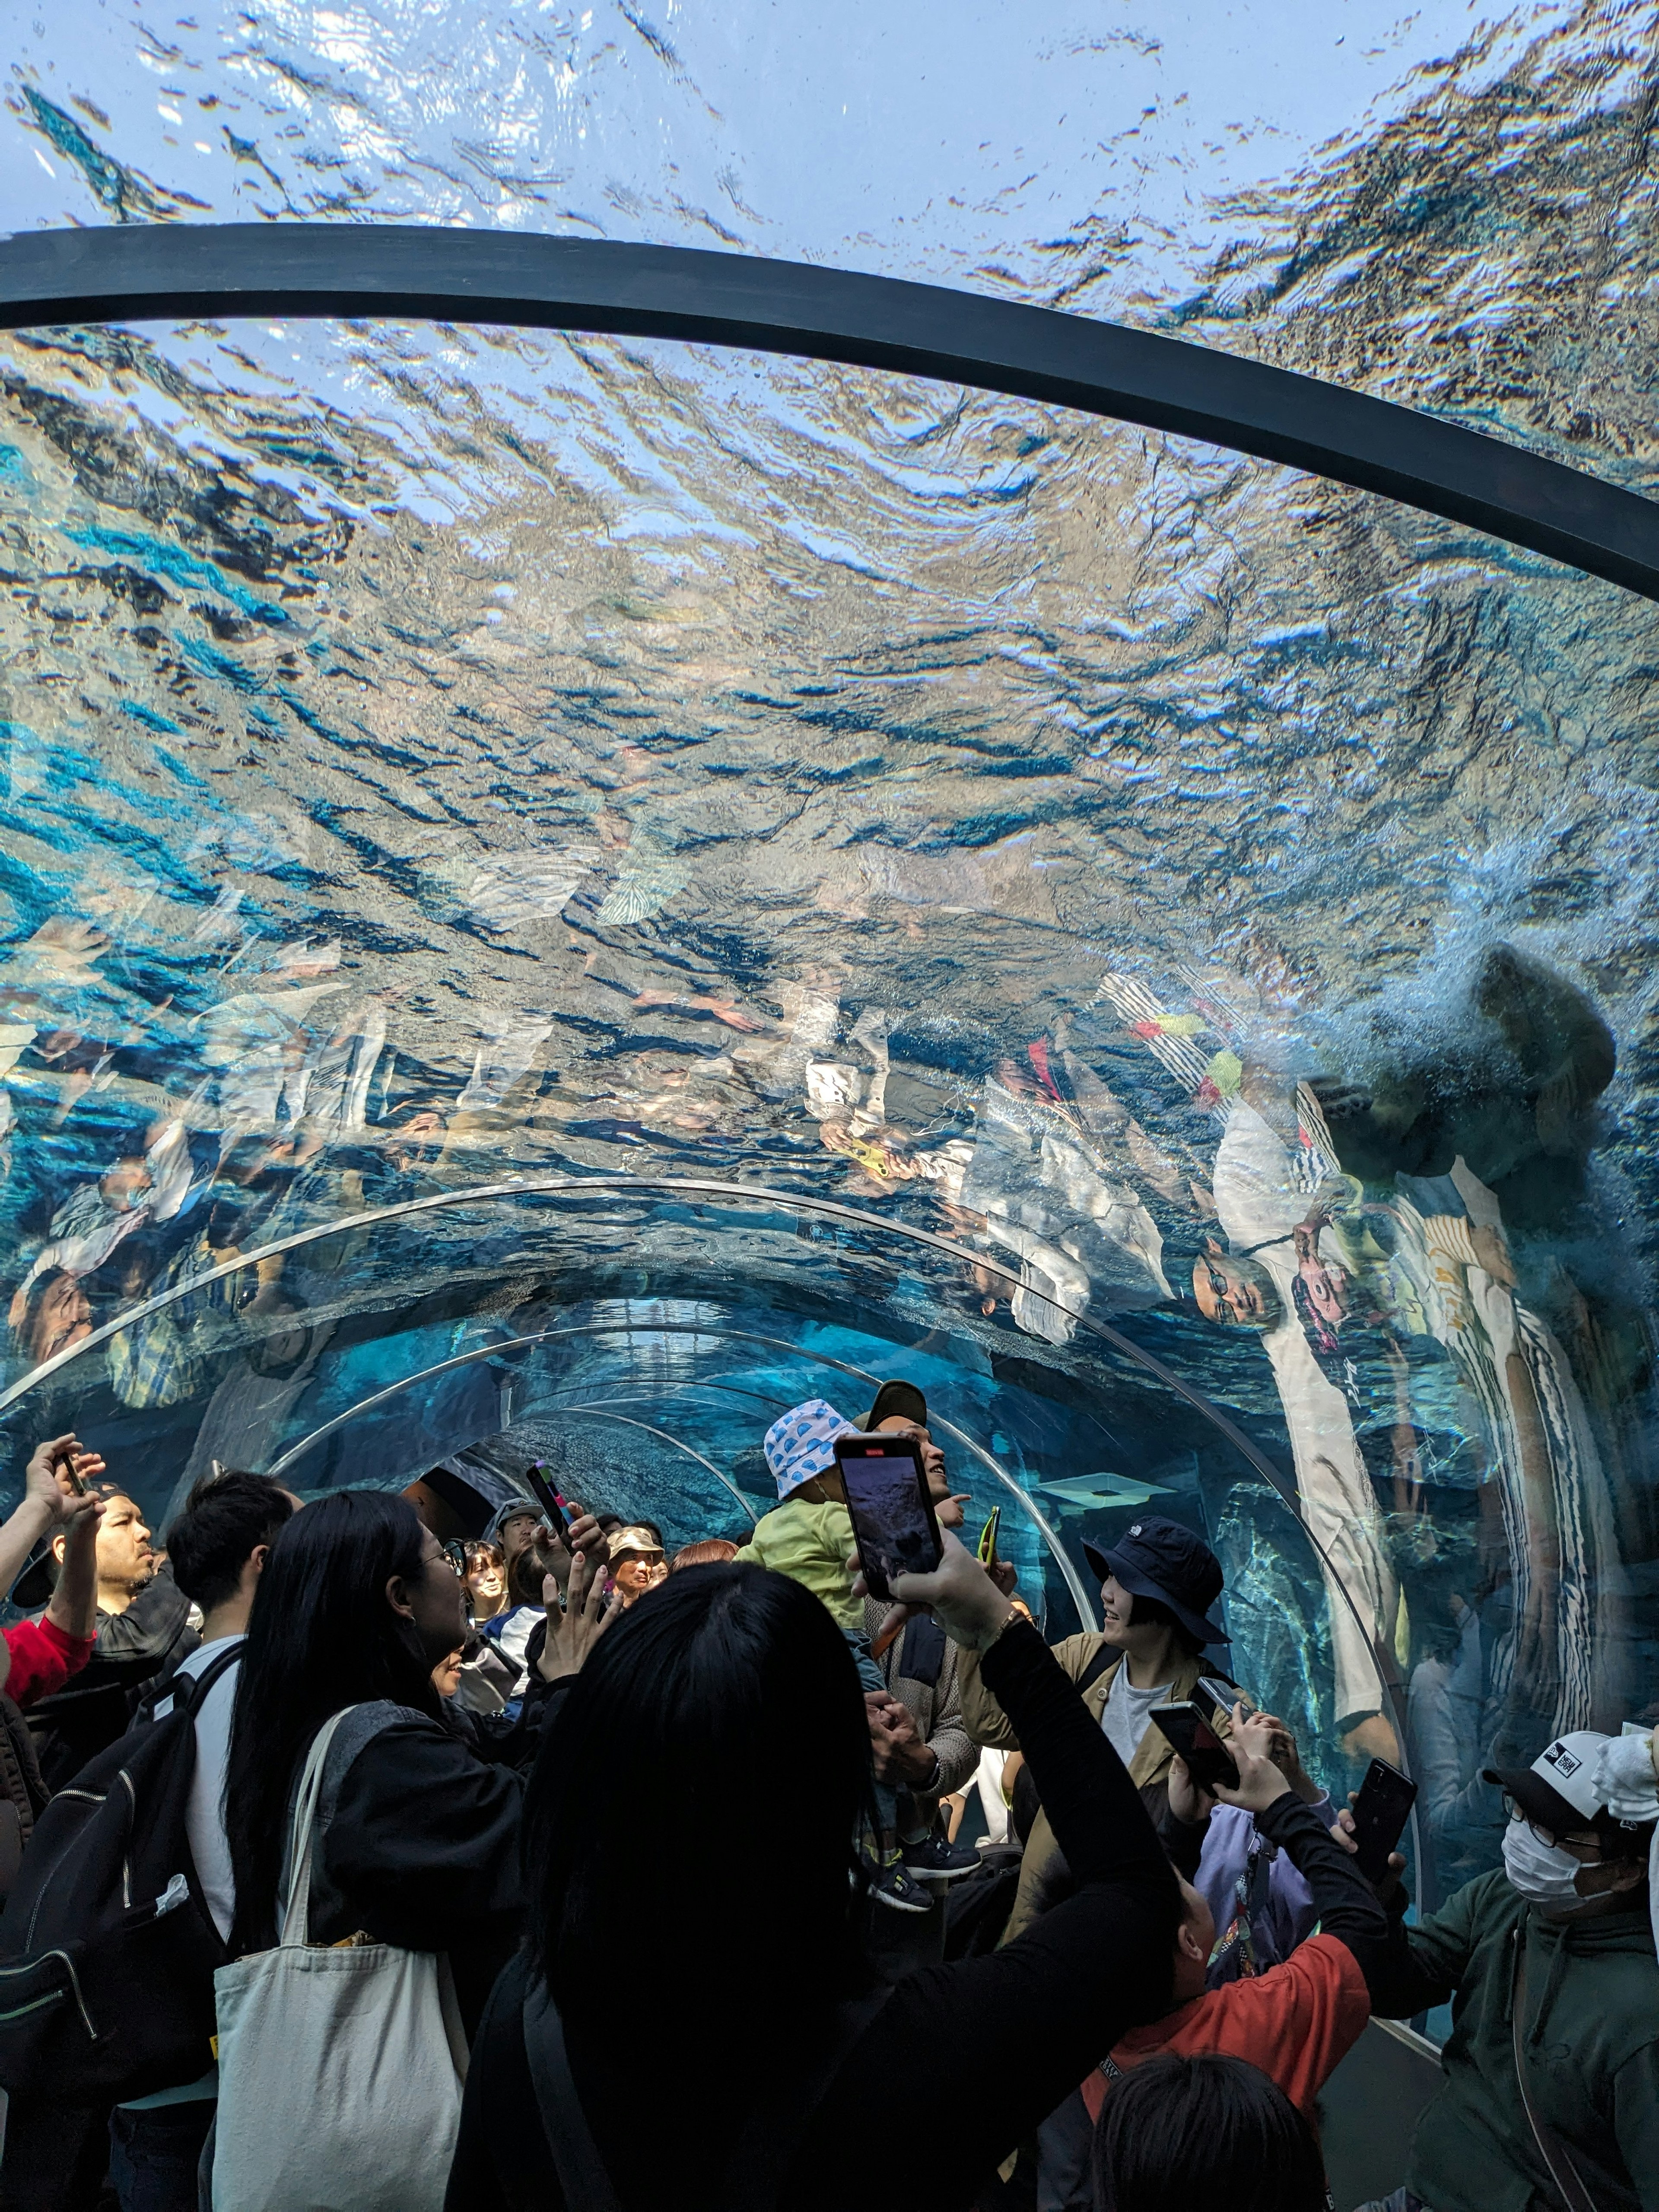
418,1843
692,2021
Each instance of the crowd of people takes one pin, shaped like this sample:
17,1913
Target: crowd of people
398,1850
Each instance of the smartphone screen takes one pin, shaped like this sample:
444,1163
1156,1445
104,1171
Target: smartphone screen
552,1512
1380,1813
892,1514
1186,1727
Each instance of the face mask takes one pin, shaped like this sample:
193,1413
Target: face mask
1543,1873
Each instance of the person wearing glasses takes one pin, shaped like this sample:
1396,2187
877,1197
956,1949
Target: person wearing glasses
1551,2089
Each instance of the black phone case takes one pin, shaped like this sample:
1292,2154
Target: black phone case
1380,1823
874,1581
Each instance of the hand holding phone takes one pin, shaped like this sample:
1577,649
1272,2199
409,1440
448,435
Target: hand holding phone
1187,1725
1382,1806
552,1512
987,1538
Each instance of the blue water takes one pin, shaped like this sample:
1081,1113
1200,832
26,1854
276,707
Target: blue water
1215,906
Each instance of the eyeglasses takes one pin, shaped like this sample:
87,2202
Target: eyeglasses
1549,1836
455,1552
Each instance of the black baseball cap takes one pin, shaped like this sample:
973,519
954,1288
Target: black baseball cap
897,1401
1558,1788
1159,1558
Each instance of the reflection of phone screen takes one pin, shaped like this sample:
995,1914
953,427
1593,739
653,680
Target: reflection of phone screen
1380,1813
892,1514
1187,1727
552,1512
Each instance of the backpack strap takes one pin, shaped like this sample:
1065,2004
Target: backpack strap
1107,1655
755,2175
583,2182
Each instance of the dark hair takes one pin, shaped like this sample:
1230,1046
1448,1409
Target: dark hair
1175,2132
1152,1611
322,1635
226,1518
670,1714
711,1551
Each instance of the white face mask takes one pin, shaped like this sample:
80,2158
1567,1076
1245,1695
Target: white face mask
1544,1874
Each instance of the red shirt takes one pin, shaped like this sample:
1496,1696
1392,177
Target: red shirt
1295,2022
42,1659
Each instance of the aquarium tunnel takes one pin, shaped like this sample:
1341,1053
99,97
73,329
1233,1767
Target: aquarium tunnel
579,872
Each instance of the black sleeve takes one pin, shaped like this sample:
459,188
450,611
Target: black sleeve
1345,1901
997,2042
1183,1841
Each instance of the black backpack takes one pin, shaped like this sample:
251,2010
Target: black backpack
107,1950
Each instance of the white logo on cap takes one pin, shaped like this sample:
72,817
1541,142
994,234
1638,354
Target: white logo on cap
1135,1531
1559,1756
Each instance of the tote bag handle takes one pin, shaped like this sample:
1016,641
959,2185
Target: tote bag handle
296,1907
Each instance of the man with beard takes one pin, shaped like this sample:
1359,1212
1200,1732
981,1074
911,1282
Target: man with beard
143,1632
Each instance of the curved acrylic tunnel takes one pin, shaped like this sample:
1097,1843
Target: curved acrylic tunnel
563,894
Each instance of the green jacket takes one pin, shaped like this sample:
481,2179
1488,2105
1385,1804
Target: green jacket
1590,2041
810,1544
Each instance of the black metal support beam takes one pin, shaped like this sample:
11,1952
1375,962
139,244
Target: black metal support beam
179,271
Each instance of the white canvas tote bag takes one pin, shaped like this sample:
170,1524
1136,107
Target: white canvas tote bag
340,2070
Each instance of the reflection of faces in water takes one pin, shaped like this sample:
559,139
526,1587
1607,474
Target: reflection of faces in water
61,1316
1236,1293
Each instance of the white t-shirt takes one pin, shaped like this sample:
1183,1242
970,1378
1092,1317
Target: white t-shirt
1124,1716
204,1813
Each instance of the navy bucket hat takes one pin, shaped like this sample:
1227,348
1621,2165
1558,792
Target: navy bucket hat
1159,1558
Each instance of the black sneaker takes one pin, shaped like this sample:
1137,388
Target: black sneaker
939,1861
892,1883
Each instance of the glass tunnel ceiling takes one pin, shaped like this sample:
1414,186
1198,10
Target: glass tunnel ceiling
1121,912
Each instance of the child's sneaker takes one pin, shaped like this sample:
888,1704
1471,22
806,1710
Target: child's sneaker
939,1861
892,1883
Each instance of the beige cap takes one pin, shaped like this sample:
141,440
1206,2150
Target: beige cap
633,1540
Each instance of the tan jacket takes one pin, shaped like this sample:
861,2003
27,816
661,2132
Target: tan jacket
1149,1770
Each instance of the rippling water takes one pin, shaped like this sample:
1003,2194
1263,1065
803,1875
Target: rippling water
437,754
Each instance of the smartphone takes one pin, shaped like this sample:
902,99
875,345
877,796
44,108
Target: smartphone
893,1518
1187,1725
987,1538
1381,1811
64,1463
1225,1693
552,1512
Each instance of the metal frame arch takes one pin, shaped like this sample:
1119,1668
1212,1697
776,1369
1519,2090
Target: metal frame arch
1069,1575
181,272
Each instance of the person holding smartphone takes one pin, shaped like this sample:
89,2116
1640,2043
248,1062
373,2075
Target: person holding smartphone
808,1536
41,1655
916,1731
1297,2019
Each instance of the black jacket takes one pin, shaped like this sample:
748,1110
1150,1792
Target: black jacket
421,1848
137,1653
961,2062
